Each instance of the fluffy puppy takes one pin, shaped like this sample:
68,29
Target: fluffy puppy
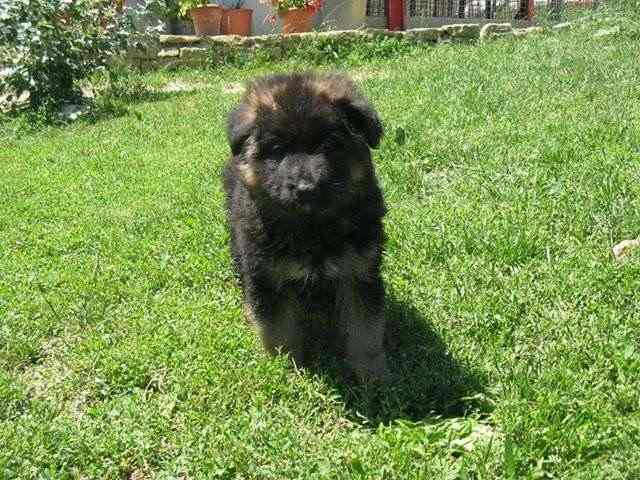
305,212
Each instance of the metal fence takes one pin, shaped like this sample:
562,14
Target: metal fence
429,12
488,9
376,8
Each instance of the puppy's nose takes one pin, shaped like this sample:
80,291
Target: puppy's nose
304,186
305,191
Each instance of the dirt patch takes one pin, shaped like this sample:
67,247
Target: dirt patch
182,86
480,434
137,474
46,378
624,248
177,86
233,88
362,75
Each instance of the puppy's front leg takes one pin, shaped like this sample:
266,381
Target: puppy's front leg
279,327
361,320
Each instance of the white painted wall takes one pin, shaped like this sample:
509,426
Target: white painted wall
343,14
260,13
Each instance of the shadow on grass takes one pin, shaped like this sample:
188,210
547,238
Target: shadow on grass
428,380
118,105
103,107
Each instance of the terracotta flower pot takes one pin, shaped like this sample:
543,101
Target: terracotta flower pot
206,19
236,21
296,20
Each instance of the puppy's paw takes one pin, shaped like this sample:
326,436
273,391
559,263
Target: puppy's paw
371,368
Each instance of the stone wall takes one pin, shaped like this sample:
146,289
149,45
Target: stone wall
177,50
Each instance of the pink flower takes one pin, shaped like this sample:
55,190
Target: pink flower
314,5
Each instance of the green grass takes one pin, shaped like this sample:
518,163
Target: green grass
514,332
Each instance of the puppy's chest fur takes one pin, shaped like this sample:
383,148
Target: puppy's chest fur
312,255
311,270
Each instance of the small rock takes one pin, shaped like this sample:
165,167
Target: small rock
266,40
246,42
233,88
561,26
179,39
462,30
523,32
346,35
423,34
622,249
607,32
149,49
491,30
169,52
72,111
10,101
87,92
226,40
193,53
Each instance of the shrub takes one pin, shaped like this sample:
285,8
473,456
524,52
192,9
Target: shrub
186,5
313,5
49,45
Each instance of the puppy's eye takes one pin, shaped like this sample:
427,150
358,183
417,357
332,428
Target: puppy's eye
275,150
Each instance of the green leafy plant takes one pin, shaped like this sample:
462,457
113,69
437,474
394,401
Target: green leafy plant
186,5
163,8
313,5
51,45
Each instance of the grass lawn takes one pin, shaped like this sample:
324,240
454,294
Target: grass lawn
510,170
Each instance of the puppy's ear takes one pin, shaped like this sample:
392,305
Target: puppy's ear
239,125
362,118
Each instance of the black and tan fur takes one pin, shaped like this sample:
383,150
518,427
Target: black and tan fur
305,212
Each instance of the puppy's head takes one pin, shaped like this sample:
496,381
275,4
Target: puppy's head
302,140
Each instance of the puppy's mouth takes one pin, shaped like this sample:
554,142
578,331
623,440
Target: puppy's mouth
305,200
307,203
304,205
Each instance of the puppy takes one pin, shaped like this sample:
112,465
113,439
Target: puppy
305,212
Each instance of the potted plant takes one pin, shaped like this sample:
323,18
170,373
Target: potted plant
235,19
206,18
296,15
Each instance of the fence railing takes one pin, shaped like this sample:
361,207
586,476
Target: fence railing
426,12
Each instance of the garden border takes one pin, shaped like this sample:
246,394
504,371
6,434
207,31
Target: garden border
185,50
